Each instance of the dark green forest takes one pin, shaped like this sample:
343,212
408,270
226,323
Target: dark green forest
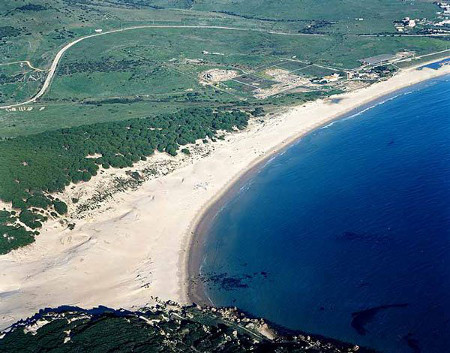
156,329
35,166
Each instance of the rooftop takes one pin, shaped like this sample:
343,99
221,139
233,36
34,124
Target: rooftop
373,60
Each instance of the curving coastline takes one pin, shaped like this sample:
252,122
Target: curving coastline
137,246
193,287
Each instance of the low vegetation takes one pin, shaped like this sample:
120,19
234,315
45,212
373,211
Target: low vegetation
161,328
8,31
104,85
35,166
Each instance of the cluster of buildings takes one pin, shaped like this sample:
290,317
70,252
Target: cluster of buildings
405,24
367,75
331,78
427,26
445,7
378,66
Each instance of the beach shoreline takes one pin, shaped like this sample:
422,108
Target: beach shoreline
194,289
139,247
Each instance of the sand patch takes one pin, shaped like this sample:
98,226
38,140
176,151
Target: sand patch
137,246
286,81
217,75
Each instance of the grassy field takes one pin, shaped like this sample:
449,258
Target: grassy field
332,16
148,71
154,70
147,86
35,30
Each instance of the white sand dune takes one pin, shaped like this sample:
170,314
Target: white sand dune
137,247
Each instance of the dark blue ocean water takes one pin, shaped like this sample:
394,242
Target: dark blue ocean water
347,233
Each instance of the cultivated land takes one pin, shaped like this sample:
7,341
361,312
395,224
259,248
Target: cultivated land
175,102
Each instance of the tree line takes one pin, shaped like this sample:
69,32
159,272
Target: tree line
34,167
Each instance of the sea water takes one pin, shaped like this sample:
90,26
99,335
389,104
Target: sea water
346,233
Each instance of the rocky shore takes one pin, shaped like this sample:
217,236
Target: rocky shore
164,327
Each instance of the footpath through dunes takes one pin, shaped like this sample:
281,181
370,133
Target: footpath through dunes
130,257
59,55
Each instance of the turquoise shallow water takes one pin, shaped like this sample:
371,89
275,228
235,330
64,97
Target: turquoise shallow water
347,232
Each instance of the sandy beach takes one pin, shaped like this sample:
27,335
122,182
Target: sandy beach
136,246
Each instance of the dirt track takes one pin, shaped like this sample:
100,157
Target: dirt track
59,55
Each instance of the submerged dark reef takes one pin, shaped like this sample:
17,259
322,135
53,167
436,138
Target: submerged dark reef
363,317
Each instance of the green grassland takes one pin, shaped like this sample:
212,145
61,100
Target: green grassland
36,30
111,92
148,69
19,81
329,16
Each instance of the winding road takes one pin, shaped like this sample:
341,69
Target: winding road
59,55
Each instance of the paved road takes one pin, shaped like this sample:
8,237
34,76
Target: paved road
57,59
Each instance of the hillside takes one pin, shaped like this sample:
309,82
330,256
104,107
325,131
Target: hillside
165,327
